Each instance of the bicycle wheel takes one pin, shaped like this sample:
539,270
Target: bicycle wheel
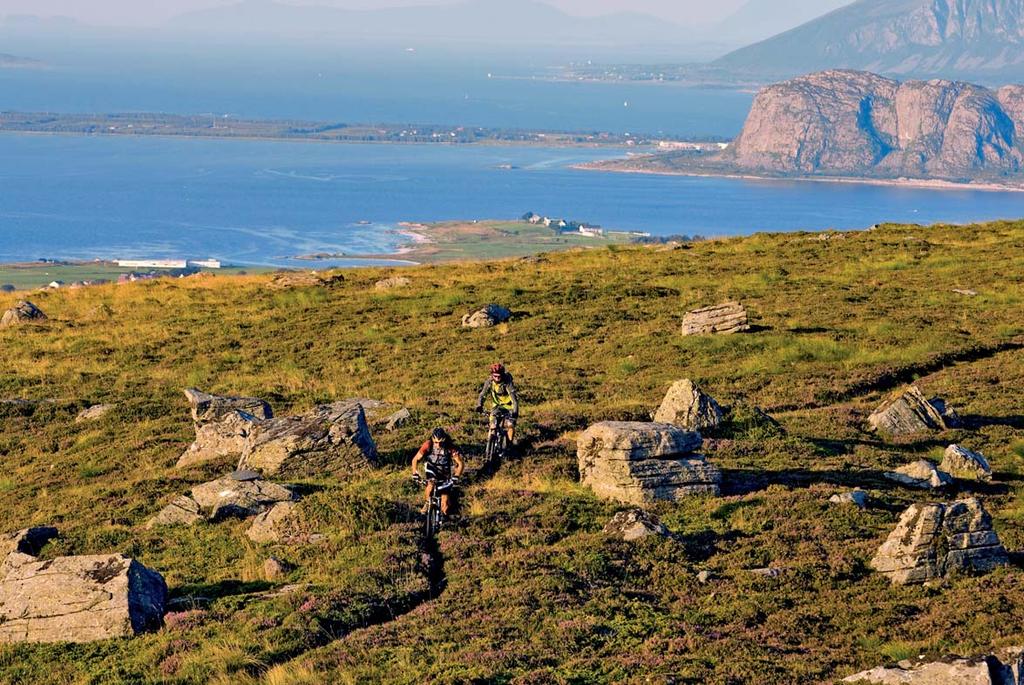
492,447
432,519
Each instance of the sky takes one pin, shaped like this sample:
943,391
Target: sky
151,12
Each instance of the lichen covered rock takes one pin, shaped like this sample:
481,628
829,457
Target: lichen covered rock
687,406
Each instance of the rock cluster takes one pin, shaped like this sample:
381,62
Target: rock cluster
920,474
23,312
908,412
933,541
333,438
74,599
987,670
730,317
858,123
636,463
491,315
687,406
635,524
239,495
963,463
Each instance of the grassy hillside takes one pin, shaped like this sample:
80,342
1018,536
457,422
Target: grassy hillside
529,590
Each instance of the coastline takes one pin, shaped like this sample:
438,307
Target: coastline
919,183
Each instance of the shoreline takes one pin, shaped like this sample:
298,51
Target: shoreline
919,183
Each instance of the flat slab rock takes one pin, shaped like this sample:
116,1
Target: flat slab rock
920,474
635,440
227,497
333,438
729,317
908,413
80,599
23,312
688,407
989,670
933,541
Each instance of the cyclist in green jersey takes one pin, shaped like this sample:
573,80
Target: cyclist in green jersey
501,390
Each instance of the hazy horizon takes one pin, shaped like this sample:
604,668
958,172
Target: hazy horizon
135,13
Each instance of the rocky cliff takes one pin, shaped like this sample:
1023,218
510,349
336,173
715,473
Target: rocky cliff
925,38
861,124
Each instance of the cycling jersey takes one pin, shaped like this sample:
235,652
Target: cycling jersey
502,394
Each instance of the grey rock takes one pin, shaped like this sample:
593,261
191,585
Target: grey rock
275,569
933,541
857,498
920,474
730,317
635,524
207,408
219,439
333,438
638,463
392,282
398,419
491,315
986,670
963,463
277,524
909,413
767,572
23,312
687,406
183,511
97,411
80,599
965,291
227,497
704,577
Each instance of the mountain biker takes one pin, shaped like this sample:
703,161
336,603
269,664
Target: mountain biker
440,454
501,390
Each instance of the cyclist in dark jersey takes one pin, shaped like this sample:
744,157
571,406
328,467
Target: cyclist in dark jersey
443,466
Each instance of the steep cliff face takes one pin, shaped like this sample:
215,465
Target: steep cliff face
924,38
857,123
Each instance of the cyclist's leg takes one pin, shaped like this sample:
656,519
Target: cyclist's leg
444,503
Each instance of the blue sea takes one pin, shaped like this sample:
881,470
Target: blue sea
263,202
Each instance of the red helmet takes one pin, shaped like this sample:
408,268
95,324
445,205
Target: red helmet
498,369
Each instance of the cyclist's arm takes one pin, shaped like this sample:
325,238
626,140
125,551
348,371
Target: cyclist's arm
419,457
483,394
515,398
459,464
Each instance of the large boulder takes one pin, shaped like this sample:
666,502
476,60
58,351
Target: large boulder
333,438
207,408
80,599
920,474
988,670
23,312
963,463
241,498
933,541
636,463
491,315
729,317
687,406
908,412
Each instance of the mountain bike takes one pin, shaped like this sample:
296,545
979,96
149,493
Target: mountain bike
497,437
434,517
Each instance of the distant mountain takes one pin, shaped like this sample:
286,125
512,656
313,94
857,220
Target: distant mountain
861,124
523,21
757,20
15,62
972,39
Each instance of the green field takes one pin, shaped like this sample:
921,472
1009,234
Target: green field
530,590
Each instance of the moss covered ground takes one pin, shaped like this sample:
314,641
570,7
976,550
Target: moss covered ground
530,590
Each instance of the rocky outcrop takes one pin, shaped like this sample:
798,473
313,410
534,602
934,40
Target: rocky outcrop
23,312
687,406
491,315
80,599
391,283
207,408
238,495
94,413
635,524
333,438
963,463
848,123
1006,669
908,413
222,425
963,38
933,541
730,317
920,474
637,463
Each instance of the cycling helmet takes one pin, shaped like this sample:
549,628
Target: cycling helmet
498,369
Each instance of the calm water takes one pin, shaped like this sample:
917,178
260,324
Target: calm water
260,202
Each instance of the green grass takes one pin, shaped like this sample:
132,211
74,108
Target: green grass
535,593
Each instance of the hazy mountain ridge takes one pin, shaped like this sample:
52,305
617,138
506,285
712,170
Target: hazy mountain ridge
14,61
486,20
757,20
858,123
947,38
